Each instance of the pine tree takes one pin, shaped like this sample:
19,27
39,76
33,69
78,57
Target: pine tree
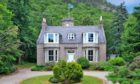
131,36
118,28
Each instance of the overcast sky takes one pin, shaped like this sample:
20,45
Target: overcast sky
130,4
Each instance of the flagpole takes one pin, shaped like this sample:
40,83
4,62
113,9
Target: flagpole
68,12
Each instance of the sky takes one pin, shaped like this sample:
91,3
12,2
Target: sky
130,4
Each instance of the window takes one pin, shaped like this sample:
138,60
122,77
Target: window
90,55
56,55
50,37
90,37
51,58
71,36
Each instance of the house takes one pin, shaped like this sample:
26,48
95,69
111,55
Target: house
69,42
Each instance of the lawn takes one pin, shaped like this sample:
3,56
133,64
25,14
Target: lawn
44,80
25,65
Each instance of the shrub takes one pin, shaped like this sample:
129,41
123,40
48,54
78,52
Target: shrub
83,62
67,72
135,63
7,69
118,61
74,71
94,66
106,66
53,80
37,68
49,66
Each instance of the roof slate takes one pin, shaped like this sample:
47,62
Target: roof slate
78,30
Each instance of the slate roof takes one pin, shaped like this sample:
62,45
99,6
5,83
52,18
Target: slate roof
78,30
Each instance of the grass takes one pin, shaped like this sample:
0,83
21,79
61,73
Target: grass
44,80
25,65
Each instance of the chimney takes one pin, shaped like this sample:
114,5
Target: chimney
67,22
101,22
44,25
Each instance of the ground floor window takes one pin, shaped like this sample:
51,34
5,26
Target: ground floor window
55,55
90,55
51,55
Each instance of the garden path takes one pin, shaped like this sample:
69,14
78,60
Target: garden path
27,73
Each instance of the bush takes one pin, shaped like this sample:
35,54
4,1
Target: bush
74,71
94,66
118,61
135,63
49,66
37,68
7,69
53,80
83,62
67,72
105,66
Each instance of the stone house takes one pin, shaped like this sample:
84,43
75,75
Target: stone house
69,42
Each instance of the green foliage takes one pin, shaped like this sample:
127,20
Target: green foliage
83,62
119,74
117,29
118,61
67,72
49,65
74,71
135,63
126,74
53,80
38,68
130,38
9,41
105,66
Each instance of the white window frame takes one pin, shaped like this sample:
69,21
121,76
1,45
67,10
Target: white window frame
86,38
55,55
51,55
71,36
91,55
55,37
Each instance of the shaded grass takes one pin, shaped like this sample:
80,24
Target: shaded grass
25,65
44,80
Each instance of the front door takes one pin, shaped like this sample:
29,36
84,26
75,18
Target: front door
70,57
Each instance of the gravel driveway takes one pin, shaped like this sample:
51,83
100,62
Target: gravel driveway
27,73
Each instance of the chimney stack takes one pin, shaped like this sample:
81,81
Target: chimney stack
101,22
67,22
44,25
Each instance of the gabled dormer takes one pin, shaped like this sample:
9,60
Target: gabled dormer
90,37
51,38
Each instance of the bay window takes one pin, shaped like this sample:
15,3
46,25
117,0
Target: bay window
90,55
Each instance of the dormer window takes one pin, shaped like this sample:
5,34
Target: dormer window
51,38
71,36
90,37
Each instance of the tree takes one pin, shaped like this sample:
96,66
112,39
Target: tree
131,36
9,42
118,28
21,10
